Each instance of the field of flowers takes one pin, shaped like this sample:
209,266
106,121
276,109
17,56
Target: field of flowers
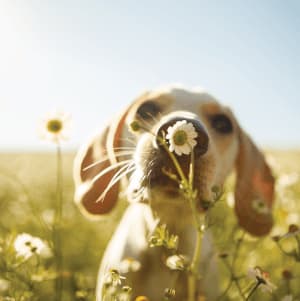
49,251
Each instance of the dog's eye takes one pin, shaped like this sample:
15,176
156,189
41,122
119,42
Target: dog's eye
148,110
221,123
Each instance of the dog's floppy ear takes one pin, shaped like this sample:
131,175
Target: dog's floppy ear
254,191
92,160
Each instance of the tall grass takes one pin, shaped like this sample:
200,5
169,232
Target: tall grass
28,202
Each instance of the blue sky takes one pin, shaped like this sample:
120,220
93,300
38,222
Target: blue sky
91,58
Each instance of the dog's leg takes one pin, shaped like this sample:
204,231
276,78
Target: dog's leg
129,240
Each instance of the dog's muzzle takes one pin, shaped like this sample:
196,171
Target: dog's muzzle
154,162
202,136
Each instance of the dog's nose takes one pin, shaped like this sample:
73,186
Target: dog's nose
201,139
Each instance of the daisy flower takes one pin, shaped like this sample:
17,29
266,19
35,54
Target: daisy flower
55,127
113,277
129,265
177,262
262,278
169,293
26,245
181,137
4,285
141,298
293,230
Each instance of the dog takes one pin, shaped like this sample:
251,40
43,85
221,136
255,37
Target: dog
222,145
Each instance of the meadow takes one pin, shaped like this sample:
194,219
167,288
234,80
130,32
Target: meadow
28,195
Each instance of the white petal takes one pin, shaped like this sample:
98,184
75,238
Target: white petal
186,149
192,143
171,147
178,151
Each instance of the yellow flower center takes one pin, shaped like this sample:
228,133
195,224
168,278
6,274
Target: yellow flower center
180,137
141,298
54,126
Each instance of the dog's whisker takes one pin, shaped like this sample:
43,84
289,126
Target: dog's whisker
123,148
147,126
106,158
133,142
110,168
122,172
153,117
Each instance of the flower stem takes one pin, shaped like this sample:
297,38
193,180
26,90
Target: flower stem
253,290
57,225
192,277
190,195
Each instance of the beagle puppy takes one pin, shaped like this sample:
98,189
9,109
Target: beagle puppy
118,153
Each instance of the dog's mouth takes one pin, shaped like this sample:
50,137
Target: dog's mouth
161,170
170,191
157,180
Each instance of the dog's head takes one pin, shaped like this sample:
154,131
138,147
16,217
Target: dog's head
221,146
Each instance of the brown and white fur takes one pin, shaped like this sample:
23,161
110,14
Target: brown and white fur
153,197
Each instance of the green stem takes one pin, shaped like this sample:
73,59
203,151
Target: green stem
253,290
192,277
236,251
225,291
231,269
298,245
57,226
190,195
177,166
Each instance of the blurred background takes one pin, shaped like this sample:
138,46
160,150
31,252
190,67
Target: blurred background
92,58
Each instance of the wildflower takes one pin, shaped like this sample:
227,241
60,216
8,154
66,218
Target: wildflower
287,274
177,262
169,293
55,127
135,126
262,278
293,230
26,245
141,298
4,285
129,265
172,242
126,289
125,294
260,206
154,241
181,137
113,277
162,237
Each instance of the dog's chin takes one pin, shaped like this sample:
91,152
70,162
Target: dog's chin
168,196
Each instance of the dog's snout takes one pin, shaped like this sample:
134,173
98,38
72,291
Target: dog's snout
201,139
